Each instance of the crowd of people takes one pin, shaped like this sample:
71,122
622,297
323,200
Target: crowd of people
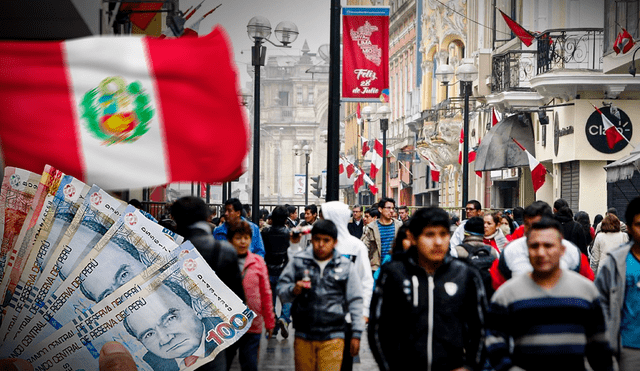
506,290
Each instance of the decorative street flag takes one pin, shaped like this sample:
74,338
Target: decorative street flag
624,42
538,171
472,152
365,53
613,135
365,146
496,116
525,36
193,29
435,170
359,182
371,184
124,112
376,159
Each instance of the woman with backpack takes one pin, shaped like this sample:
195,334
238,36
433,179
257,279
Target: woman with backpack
476,252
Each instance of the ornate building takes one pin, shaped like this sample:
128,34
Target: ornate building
293,111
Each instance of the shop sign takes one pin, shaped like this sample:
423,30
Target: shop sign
595,129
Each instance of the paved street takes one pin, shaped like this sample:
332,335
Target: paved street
277,354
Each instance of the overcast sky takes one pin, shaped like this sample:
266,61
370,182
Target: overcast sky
311,16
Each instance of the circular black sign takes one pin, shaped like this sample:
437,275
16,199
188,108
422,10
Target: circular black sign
595,130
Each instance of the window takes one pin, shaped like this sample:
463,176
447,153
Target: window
283,98
299,98
310,99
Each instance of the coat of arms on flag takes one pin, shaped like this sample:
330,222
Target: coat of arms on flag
116,112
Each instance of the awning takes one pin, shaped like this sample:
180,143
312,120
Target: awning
623,168
497,151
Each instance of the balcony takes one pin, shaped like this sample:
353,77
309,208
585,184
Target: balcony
512,70
565,63
575,48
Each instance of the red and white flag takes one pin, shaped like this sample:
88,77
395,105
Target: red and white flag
435,171
538,171
624,42
371,184
193,29
350,170
613,135
376,159
124,112
472,152
365,146
496,117
359,181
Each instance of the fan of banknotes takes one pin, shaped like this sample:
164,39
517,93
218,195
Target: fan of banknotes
79,268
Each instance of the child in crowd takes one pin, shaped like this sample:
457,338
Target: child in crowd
255,280
323,285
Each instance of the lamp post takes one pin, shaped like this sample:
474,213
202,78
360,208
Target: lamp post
466,73
259,30
444,74
384,112
306,151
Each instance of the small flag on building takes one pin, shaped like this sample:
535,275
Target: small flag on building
525,36
613,135
624,42
538,171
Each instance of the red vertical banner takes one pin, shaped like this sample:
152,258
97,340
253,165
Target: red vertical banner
365,53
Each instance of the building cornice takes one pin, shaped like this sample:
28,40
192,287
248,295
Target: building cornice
566,84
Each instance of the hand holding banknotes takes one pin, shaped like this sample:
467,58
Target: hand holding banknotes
113,357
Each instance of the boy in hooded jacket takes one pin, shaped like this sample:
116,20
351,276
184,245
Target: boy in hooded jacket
428,308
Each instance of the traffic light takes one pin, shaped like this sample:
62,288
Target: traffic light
316,185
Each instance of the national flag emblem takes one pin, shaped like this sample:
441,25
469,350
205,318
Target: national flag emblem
116,112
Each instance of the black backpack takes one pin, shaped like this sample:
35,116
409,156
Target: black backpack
480,257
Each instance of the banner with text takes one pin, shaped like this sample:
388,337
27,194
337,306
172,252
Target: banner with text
365,59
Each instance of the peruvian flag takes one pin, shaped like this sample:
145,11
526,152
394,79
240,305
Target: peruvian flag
359,182
495,117
613,135
435,171
376,159
350,170
538,172
193,29
525,36
124,112
365,146
472,152
371,184
624,42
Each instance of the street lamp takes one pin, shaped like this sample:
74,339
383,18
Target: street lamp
466,73
259,30
306,151
383,114
444,74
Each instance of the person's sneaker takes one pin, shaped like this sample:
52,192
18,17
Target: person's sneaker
284,327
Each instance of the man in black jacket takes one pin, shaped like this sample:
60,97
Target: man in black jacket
357,223
276,243
190,214
427,310
571,230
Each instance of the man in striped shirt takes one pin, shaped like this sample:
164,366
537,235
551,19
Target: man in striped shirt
379,235
553,316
